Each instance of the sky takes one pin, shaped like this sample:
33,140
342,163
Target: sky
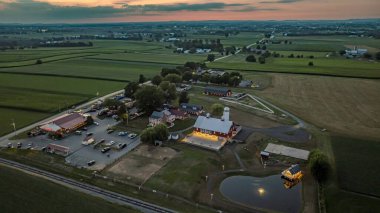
95,11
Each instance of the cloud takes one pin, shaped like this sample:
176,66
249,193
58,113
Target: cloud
29,10
280,1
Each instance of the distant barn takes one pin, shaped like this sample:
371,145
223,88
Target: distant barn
218,91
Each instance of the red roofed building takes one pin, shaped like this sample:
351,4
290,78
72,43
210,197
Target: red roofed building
65,124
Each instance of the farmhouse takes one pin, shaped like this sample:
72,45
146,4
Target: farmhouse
218,91
178,114
161,117
65,124
191,109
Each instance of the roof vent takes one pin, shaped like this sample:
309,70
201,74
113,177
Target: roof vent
208,115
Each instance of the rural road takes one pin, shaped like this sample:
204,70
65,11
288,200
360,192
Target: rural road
87,188
5,137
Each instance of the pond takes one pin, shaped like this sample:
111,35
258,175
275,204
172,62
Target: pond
265,193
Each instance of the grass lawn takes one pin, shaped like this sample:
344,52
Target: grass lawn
357,164
182,124
22,192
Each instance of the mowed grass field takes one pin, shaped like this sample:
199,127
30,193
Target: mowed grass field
346,106
28,98
20,192
322,65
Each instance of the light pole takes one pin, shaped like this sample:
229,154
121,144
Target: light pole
14,125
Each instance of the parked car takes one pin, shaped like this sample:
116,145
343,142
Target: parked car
111,143
102,140
121,145
110,131
19,145
89,133
105,149
84,128
122,133
96,123
78,132
91,162
132,135
9,145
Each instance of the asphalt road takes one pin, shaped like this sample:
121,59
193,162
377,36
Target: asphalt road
89,189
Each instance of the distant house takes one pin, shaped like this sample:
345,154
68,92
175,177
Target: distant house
218,91
191,109
161,117
355,52
245,83
180,115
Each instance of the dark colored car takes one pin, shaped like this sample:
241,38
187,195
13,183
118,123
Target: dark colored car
106,149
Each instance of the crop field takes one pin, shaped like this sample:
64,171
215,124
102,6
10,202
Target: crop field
240,40
360,173
322,65
20,192
28,98
344,105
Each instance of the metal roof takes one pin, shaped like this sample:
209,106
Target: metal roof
156,115
294,169
213,124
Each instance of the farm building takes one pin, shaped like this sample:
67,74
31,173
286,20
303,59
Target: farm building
222,127
293,173
65,124
245,83
161,117
218,91
191,108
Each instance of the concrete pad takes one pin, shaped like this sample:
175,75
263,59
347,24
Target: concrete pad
287,151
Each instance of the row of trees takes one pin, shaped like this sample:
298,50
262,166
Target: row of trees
213,44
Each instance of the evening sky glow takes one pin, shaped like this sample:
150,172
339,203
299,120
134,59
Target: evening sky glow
72,11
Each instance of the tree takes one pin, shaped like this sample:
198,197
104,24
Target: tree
250,58
187,76
148,135
142,79
211,57
205,78
234,81
149,98
217,109
169,90
39,61
111,102
130,89
161,132
319,166
311,64
262,60
367,55
183,97
173,78
377,56
156,80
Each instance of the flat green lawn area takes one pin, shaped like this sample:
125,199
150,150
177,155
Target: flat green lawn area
20,192
21,118
182,124
27,98
329,66
357,164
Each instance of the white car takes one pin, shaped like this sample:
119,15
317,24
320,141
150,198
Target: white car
111,143
96,123
132,135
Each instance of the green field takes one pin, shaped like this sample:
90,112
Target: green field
20,192
322,65
28,98
357,165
